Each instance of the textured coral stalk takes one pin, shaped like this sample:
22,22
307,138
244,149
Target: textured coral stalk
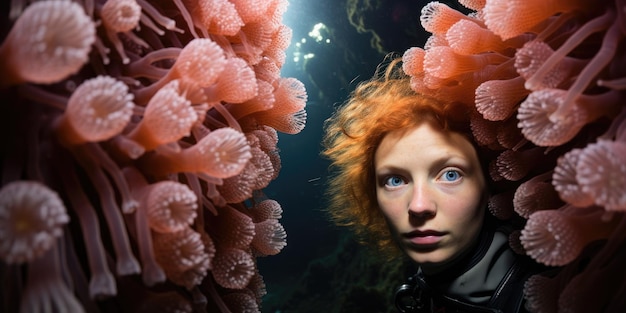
201,61
152,273
102,281
126,262
599,61
532,57
598,24
46,290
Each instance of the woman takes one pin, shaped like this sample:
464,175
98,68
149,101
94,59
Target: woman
408,175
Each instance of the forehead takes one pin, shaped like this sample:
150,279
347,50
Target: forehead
425,140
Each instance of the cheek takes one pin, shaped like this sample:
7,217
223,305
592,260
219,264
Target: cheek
383,203
468,211
391,213
390,207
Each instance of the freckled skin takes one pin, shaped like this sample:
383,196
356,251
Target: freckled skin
429,180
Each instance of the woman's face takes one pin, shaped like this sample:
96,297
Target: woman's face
430,188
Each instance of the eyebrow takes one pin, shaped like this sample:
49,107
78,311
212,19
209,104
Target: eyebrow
448,160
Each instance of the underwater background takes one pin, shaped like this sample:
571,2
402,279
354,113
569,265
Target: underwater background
335,45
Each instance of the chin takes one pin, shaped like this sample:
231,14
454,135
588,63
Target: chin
429,258
434,261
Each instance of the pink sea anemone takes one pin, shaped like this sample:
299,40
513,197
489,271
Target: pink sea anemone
233,268
135,115
251,11
266,209
603,183
547,80
168,117
270,237
509,136
603,267
222,153
183,256
535,115
530,58
469,37
437,17
501,205
215,16
201,61
232,228
121,16
514,165
98,110
413,61
238,83
443,62
32,216
288,114
536,194
556,237
171,206
255,176
50,41
564,180
508,19
497,100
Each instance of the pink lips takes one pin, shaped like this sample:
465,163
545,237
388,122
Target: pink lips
425,237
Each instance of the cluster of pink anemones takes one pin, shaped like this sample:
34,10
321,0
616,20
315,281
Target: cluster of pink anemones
547,84
138,136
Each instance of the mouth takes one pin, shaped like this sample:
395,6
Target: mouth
424,238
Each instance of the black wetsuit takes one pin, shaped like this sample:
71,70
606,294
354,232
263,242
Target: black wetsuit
489,280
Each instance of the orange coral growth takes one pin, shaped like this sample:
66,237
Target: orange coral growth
547,79
131,126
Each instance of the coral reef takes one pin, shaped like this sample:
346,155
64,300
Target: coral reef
138,137
546,84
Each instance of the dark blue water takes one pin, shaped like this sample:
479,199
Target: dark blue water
340,55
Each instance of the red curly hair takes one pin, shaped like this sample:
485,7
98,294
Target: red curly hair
376,107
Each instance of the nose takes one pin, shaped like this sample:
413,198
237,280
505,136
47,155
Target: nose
422,203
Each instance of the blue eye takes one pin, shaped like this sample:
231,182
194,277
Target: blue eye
394,181
451,175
